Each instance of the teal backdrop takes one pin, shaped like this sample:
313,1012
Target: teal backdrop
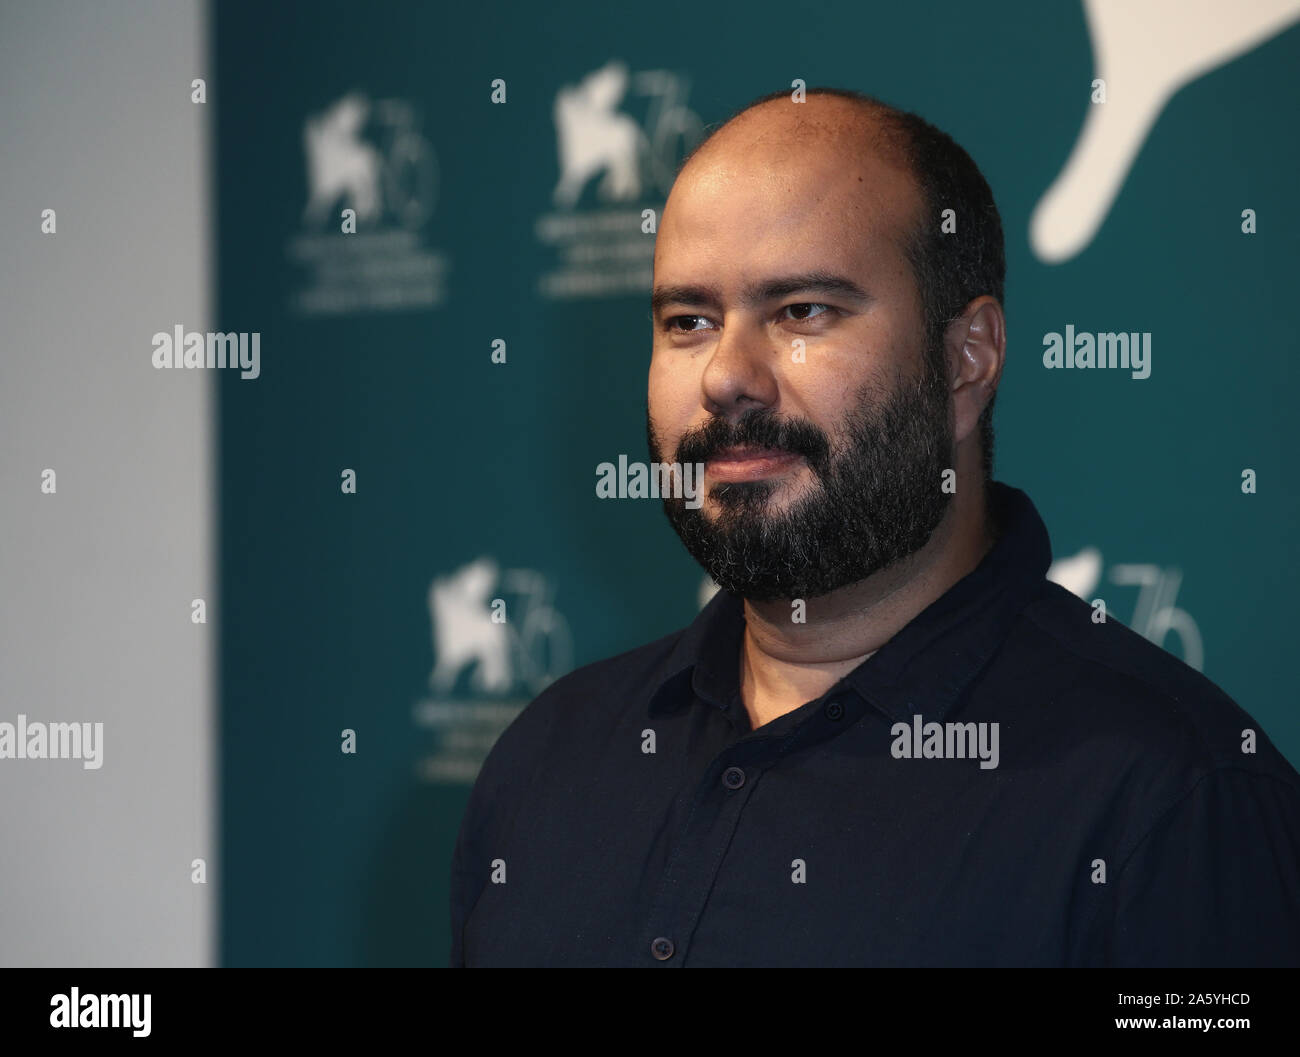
484,225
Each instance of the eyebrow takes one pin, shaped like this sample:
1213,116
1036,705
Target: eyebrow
766,290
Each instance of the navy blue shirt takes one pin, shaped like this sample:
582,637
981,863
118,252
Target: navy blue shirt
631,815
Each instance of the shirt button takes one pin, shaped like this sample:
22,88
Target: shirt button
733,777
662,948
834,710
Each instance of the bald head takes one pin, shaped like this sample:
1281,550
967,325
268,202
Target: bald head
889,173
837,151
856,124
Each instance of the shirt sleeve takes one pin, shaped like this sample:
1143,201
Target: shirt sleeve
1216,880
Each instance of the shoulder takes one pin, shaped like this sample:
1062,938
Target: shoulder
1128,693
575,710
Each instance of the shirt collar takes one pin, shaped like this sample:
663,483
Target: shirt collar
925,667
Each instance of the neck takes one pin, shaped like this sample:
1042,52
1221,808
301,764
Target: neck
785,664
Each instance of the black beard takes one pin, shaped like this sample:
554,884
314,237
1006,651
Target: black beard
877,497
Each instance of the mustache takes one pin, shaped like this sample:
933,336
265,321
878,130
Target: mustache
761,428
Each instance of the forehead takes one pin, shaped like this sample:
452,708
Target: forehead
782,196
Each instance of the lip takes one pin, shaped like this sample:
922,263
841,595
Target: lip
749,464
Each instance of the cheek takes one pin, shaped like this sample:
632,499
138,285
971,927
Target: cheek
827,394
673,397
873,356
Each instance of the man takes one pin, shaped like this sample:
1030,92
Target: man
889,740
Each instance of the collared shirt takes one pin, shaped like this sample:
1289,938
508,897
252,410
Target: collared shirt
1007,781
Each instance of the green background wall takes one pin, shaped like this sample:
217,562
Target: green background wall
340,859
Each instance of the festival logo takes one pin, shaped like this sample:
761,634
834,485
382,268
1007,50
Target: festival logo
372,181
619,139
1154,613
498,642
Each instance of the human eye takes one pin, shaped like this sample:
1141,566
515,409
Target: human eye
802,310
670,324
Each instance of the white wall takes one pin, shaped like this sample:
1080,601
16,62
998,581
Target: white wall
96,581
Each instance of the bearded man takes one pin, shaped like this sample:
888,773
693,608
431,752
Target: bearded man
888,740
